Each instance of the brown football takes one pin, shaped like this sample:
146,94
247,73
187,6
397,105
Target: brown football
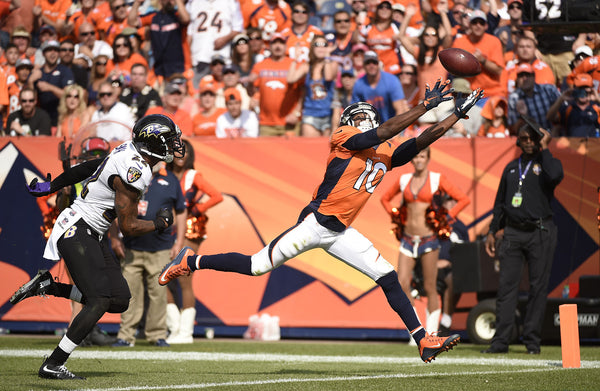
459,62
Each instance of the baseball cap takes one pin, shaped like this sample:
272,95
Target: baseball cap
240,37
371,56
52,44
230,67
172,87
398,7
207,87
384,2
47,28
347,71
514,1
524,68
583,80
461,85
584,49
232,94
23,62
360,46
217,58
278,36
478,14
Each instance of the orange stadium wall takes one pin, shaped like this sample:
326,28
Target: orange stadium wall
266,183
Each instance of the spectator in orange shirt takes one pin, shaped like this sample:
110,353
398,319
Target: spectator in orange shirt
50,12
11,54
279,101
171,100
72,111
88,13
381,35
300,34
488,51
271,16
124,58
23,69
115,23
215,78
494,118
205,122
525,53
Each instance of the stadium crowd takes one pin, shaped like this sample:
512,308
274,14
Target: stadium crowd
253,68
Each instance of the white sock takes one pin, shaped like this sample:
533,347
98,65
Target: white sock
75,294
446,320
67,345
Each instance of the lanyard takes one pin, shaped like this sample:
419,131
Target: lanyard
522,174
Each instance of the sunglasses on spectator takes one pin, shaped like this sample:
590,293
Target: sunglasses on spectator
407,73
104,94
384,6
27,100
86,33
525,139
67,49
118,7
371,62
121,45
430,34
479,21
176,92
342,21
516,32
100,63
241,42
255,38
76,96
300,11
513,6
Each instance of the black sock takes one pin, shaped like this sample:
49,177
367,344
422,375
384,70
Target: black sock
227,262
58,357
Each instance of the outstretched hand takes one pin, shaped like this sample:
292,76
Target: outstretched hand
437,95
40,189
463,105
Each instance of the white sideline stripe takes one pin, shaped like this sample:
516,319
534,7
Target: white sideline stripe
153,355
307,380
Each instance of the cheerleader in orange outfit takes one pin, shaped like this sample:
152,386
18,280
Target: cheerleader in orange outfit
420,227
194,186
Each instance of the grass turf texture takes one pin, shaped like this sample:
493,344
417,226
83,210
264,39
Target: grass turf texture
234,364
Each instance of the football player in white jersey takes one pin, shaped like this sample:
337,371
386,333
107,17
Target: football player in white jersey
113,187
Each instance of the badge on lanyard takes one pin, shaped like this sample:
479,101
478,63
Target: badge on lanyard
517,199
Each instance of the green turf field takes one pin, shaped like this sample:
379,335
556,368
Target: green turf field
235,364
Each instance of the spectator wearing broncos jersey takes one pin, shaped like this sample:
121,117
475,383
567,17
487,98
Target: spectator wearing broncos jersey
88,13
236,122
50,12
23,69
72,112
318,77
380,37
342,38
326,222
379,88
212,27
279,102
80,234
166,34
270,16
116,22
300,34
525,53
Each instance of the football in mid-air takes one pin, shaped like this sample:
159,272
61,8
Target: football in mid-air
459,62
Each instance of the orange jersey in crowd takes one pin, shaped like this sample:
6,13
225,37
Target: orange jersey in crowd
180,117
589,65
384,44
425,194
13,97
350,177
270,20
112,29
55,11
429,73
298,46
491,48
124,68
94,17
278,98
206,125
247,7
543,74
417,19
11,73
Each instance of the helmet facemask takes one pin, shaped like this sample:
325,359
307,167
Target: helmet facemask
361,115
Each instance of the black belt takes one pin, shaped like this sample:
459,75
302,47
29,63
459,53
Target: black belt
528,225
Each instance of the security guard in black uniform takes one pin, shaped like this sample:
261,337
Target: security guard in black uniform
522,209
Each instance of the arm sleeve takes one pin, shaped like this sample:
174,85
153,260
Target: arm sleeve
552,168
404,153
75,174
362,140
